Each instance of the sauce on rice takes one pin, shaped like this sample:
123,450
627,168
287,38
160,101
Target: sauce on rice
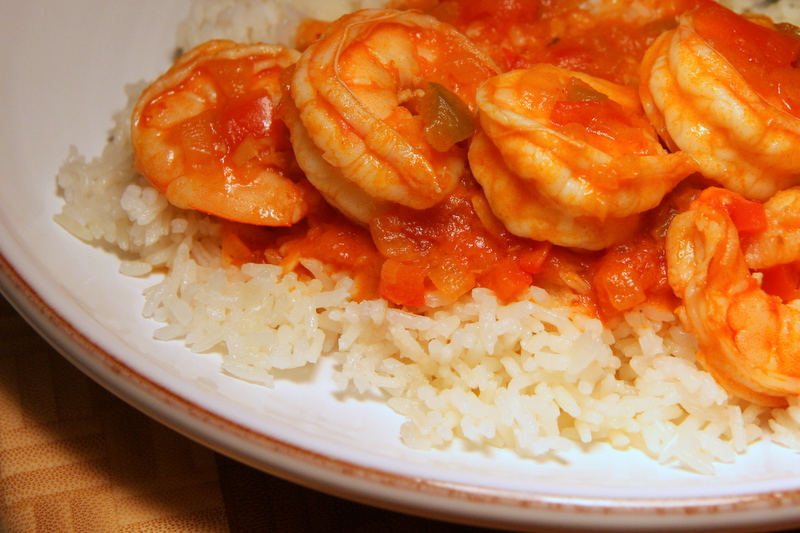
459,244
515,367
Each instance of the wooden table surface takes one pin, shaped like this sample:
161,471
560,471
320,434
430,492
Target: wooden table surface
74,458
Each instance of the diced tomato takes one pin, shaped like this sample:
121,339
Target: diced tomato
394,238
244,117
564,266
513,60
603,124
506,279
782,281
448,274
198,138
748,216
630,274
751,42
246,243
571,55
235,251
532,260
621,286
402,283
340,244
234,76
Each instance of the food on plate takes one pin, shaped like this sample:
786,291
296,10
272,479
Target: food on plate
748,337
205,134
578,161
483,222
378,105
725,90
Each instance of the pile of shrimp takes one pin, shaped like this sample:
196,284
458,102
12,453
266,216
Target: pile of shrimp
495,122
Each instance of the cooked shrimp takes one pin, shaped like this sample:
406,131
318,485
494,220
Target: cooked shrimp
205,135
382,100
534,215
722,88
749,340
577,144
779,243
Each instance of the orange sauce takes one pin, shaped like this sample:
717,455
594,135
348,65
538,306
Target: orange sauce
459,244
240,131
765,57
456,246
453,246
521,33
325,235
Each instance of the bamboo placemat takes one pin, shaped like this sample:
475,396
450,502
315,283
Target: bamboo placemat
74,458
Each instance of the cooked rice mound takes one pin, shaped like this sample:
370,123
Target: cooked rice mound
534,376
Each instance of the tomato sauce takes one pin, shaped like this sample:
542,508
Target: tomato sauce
521,33
325,235
765,57
782,281
242,131
459,244
456,246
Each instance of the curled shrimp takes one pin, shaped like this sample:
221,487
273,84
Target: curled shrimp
579,160
534,215
749,339
779,243
356,123
722,88
206,136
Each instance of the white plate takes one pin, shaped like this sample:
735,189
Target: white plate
64,65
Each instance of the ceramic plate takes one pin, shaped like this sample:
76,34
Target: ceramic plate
64,65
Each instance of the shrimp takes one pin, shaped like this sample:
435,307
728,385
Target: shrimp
749,340
358,122
579,160
722,88
206,136
536,216
779,243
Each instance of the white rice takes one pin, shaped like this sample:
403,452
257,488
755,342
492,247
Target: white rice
533,376
779,11
257,20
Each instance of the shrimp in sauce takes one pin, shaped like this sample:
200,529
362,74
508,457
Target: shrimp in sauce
561,182
779,243
366,111
576,160
749,339
603,38
206,136
724,90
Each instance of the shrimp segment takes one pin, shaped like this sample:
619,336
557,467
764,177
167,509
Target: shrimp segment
535,215
743,137
579,145
357,128
205,135
779,243
749,340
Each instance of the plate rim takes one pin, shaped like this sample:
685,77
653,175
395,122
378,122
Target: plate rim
455,502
